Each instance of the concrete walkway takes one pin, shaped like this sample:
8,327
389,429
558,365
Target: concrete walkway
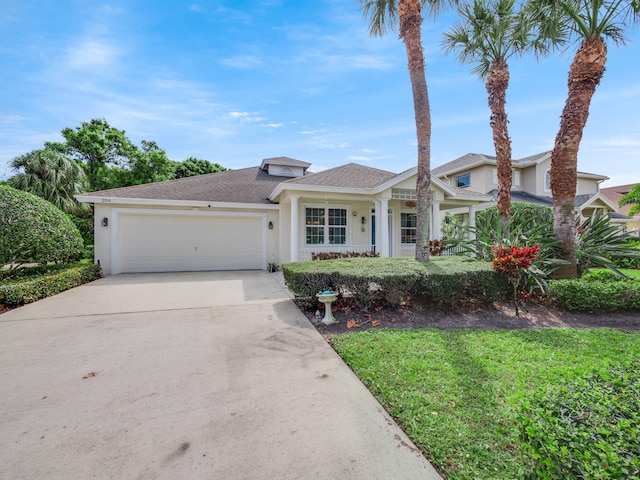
212,375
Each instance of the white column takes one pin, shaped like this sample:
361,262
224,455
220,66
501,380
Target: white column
295,216
384,227
436,234
472,221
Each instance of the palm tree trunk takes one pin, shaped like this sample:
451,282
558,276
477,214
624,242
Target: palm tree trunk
410,24
497,84
584,76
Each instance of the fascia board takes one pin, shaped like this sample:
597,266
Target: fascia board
171,203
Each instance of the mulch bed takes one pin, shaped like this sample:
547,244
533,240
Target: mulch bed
499,315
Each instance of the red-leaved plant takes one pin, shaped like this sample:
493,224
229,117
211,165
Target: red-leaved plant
513,262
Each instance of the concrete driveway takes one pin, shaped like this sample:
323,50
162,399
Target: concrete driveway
212,375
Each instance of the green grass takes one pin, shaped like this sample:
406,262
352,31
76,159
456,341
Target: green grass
457,393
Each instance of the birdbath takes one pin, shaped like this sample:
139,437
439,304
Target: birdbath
327,297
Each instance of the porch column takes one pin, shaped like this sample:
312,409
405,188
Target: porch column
295,215
472,221
436,234
384,227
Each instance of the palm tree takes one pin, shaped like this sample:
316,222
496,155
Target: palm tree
591,23
488,34
386,14
50,175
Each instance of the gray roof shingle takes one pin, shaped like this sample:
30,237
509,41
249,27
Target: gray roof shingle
247,185
349,175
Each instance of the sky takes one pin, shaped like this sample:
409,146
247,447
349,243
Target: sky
237,81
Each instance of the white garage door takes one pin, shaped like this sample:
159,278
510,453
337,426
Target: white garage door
182,242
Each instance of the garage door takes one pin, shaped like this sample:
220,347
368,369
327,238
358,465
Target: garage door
183,242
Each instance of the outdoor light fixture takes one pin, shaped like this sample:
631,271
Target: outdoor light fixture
363,220
355,214
270,225
105,222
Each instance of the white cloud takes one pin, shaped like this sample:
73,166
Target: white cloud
92,54
367,150
273,125
244,62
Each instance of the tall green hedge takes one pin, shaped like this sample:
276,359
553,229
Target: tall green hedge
33,230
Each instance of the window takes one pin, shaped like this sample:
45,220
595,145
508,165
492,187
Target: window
547,181
408,223
463,181
325,226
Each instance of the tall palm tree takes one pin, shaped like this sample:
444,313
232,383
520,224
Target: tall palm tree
387,14
591,23
50,175
488,34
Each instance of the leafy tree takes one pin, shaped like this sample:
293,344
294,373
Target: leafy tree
195,166
51,175
590,23
150,164
386,14
33,230
488,33
97,145
632,197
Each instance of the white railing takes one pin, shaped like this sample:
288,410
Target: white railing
306,252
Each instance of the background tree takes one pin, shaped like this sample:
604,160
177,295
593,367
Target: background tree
150,164
632,197
49,174
488,34
590,23
386,14
195,166
97,145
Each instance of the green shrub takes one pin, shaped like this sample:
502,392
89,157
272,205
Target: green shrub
85,227
33,230
601,276
442,281
595,296
336,255
29,289
589,429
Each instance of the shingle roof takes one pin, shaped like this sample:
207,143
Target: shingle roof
614,194
247,185
290,162
527,197
461,162
349,175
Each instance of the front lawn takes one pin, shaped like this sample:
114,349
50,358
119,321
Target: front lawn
459,393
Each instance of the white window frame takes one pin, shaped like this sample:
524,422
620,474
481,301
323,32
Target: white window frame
408,212
326,226
468,174
547,188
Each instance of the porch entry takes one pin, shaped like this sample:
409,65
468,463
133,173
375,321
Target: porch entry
374,227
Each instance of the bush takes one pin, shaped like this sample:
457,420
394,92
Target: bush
85,227
29,289
33,230
589,429
443,280
591,296
336,255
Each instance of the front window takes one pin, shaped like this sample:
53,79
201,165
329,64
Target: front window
463,181
408,224
325,226
547,181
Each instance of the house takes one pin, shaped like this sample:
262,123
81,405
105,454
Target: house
614,194
277,212
531,182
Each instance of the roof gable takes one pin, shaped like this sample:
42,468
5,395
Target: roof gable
351,175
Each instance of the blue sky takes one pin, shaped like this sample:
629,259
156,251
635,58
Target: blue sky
238,81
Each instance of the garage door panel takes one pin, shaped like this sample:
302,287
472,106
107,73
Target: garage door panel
165,243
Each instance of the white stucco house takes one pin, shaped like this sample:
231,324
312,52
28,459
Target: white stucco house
277,212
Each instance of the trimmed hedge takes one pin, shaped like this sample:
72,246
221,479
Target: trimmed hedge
592,296
443,281
589,429
29,289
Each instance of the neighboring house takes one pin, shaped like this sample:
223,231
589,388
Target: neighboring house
275,213
614,194
531,182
